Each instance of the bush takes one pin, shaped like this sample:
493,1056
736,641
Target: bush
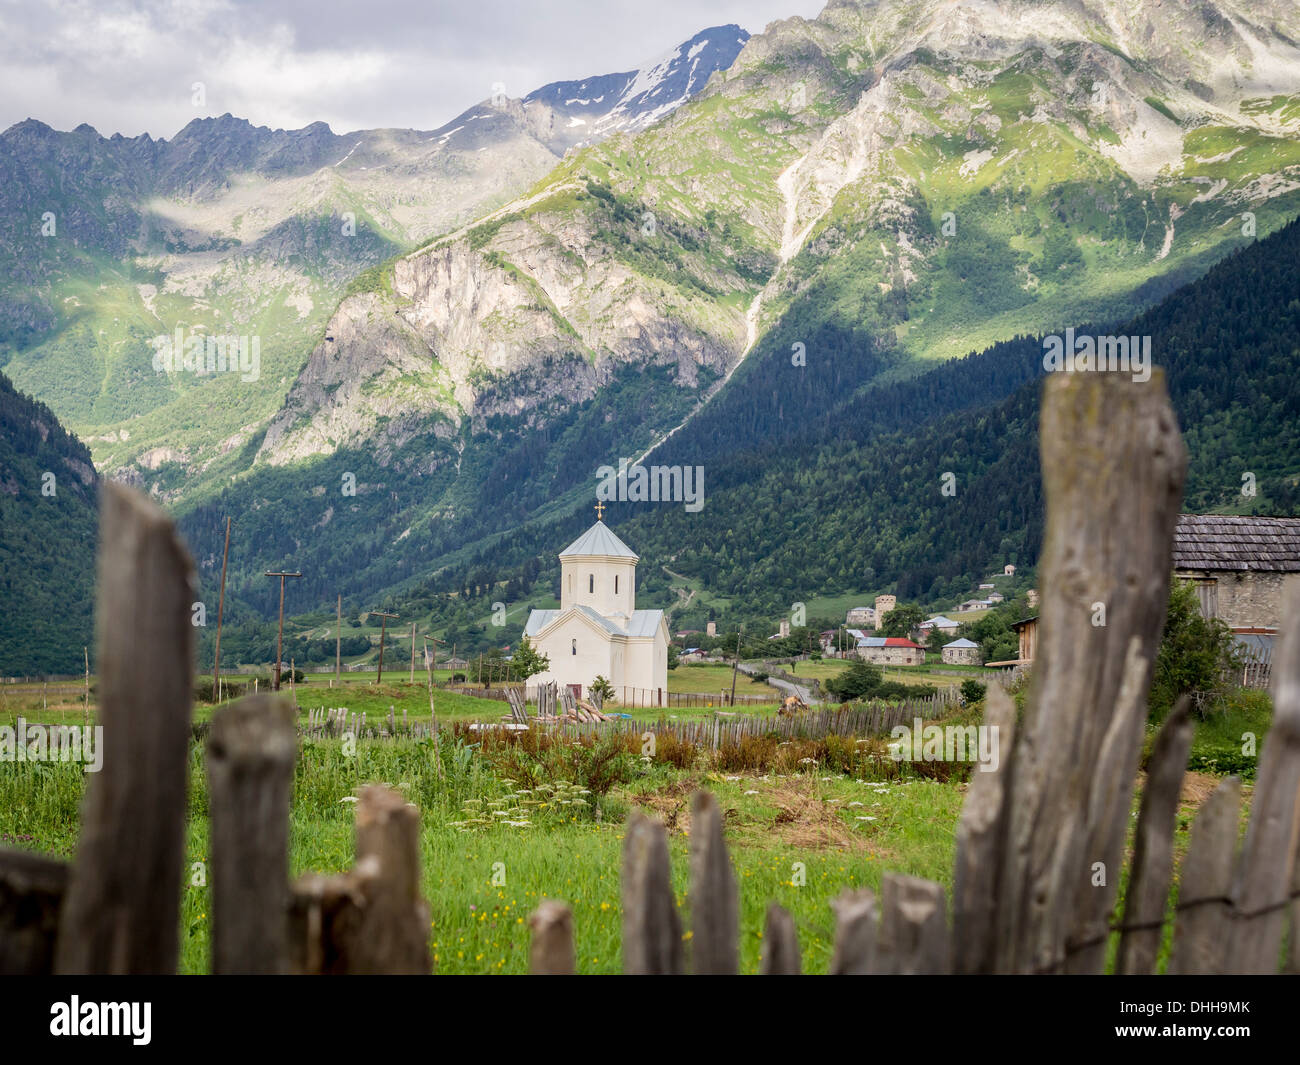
1196,653
857,682
972,691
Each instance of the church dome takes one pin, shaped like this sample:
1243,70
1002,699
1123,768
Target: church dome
598,542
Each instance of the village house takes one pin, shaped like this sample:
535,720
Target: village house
861,615
598,631
972,604
961,653
1238,564
945,625
994,598
1027,632
890,651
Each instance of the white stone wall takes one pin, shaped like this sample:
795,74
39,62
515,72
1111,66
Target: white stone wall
1246,599
578,575
893,656
594,657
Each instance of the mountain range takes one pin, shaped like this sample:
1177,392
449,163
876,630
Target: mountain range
755,249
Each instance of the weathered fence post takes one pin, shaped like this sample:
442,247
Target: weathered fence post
251,753
1113,466
371,919
1202,926
780,956
975,867
122,910
551,952
913,926
715,902
31,890
1268,854
1153,854
652,931
856,933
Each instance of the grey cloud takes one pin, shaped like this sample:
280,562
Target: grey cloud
129,66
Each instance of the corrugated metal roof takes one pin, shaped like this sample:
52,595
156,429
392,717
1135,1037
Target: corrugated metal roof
599,540
1235,542
960,643
538,620
644,622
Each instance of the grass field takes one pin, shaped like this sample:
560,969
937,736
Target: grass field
803,822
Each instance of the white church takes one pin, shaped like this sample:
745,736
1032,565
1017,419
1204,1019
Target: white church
598,631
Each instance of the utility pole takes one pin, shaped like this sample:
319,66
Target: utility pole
338,643
735,666
430,663
279,640
412,652
383,629
221,606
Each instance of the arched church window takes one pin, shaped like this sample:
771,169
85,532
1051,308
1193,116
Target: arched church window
591,582
575,647
616,584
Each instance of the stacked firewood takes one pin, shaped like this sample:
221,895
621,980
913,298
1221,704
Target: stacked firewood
582,713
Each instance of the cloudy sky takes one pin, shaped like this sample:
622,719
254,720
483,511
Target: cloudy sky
129,66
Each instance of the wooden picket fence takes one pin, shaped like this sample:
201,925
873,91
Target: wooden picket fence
1040,847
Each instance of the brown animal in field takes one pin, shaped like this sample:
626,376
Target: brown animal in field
791,706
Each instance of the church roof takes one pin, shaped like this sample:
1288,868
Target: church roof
538,620
641,623
644,622
598,540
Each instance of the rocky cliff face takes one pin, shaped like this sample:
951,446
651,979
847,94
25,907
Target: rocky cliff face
976,162
228,228
546,315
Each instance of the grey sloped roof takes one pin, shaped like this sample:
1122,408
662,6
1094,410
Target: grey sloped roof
644,622
604,623
960,643
1232,542
599,540
538,620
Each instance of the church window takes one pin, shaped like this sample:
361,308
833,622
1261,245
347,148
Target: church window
591,582
616,584
575,647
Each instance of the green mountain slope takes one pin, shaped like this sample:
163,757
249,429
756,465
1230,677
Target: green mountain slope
48,500
826,491
886,186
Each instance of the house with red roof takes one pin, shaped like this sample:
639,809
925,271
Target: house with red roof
890,651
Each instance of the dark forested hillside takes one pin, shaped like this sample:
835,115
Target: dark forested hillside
817,481
47,539
854,500
818,484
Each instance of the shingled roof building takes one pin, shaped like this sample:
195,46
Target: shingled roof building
1238,564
